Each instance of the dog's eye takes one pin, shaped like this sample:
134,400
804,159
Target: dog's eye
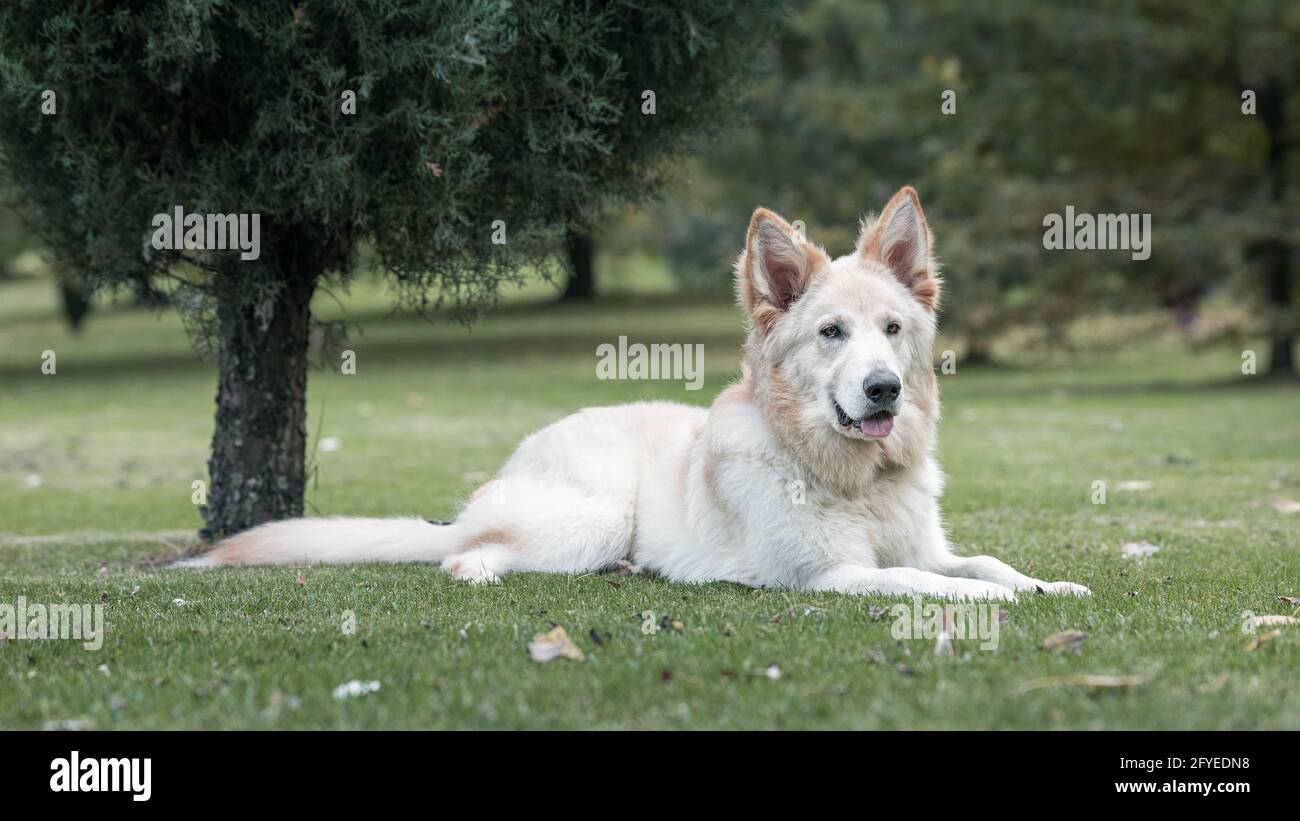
832,332
892,329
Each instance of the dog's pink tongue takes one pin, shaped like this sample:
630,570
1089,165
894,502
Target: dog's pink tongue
876,428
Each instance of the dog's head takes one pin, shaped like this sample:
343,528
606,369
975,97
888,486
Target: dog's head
843,347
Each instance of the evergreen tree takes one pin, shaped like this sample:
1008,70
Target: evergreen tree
456,137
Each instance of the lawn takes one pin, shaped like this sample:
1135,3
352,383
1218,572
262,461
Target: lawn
98,461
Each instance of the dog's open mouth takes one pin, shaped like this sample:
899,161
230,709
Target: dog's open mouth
875,426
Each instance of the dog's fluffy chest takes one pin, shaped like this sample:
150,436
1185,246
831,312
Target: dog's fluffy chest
757,514
890,523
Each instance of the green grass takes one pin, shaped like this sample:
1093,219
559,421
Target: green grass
120,432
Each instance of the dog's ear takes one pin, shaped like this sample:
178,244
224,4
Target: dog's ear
900,239
775,268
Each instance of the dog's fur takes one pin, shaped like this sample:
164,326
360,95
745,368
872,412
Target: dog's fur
796,477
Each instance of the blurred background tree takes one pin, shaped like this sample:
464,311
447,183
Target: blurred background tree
1001,113
481,130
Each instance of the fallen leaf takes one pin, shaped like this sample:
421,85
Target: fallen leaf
553,645
1065,640
1085,680
1262,639
1274,621
1139,550
354,688
1285,506
667,622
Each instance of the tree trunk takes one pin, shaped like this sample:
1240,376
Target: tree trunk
75,304
582,276
259,444
1281,358
978,350
1277,254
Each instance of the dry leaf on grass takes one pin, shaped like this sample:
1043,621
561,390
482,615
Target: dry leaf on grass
1262,639
667,622
1285,506
1273,621
553,645
1065,640
1139,550
1085,680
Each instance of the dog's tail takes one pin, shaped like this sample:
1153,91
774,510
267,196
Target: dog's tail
334,541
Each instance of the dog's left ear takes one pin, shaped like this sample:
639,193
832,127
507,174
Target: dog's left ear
900,239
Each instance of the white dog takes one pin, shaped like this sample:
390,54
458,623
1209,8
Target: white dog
815,472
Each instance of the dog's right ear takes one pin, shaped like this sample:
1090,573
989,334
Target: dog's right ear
775,268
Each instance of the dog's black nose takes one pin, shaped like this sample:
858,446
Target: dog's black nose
882,387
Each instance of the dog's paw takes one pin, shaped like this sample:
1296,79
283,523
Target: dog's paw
1064,589
975,589
470,568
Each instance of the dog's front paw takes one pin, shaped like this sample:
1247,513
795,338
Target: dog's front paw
972,589
1063,589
